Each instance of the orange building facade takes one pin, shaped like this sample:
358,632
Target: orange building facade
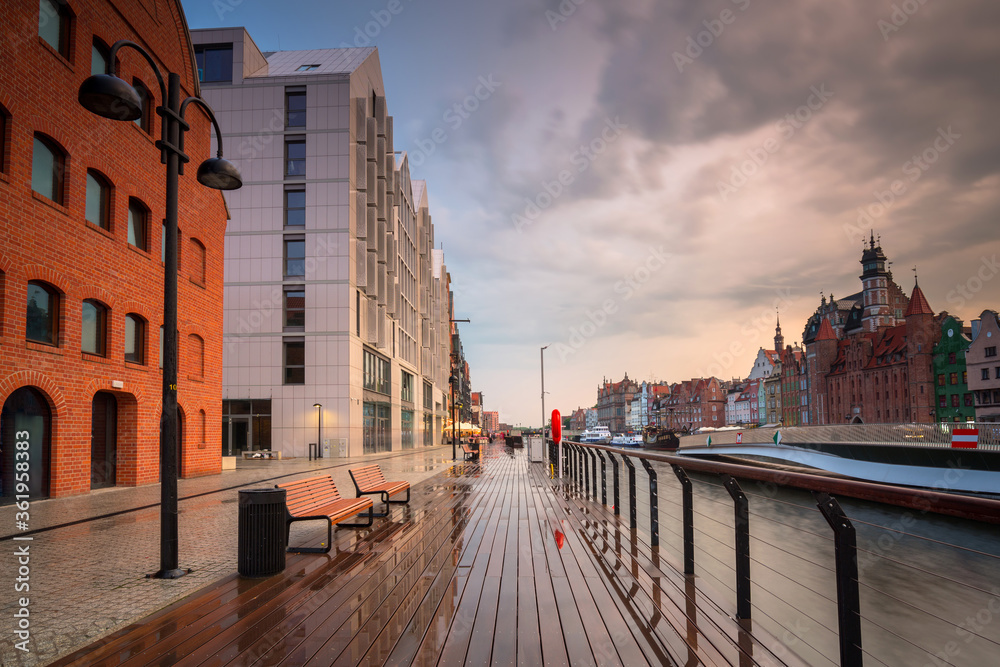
82,204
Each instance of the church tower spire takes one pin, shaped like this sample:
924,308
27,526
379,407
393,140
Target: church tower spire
779,340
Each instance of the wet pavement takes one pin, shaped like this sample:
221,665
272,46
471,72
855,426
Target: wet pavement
90,554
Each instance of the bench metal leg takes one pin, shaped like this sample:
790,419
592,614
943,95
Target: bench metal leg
370,515
309,550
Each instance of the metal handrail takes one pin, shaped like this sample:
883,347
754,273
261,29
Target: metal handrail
825,490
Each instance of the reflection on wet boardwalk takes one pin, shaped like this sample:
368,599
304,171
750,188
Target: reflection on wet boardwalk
490,563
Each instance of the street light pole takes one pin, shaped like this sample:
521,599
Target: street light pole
544,443
319,430
110,97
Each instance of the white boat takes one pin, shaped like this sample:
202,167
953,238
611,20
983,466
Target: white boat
623,440
600,435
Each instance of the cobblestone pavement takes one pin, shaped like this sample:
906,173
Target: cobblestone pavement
88,570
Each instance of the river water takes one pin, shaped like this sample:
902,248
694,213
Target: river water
929,584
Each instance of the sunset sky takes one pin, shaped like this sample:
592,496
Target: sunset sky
641,183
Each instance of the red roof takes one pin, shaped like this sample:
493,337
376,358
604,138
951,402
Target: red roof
825,331
918,303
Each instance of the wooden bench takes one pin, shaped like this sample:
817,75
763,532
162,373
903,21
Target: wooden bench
470,453
369,480
315,499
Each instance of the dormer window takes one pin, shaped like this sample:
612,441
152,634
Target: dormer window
307,68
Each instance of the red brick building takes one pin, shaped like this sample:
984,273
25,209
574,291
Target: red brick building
82,200
611,400
693,404
877,367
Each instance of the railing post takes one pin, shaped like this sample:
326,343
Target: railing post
848,595
604,478
742,511
632,519
572,466
688,518
593,469
586,472
654,514
617,507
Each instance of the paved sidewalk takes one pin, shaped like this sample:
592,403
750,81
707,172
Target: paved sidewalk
88,574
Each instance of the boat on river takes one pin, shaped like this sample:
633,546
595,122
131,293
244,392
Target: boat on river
598,435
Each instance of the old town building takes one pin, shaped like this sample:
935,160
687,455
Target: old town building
81,254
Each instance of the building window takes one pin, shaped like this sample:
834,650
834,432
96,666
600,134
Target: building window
376,373
968,400
48,169
991,351
197,259
54,24
951,357
295,258
295,157
954,400
997,372
42,324
295,308
138,224
4,141
135,338
99,55
197,355
428,396
953,378
406,387
295,208
941,380
215,62
306,68
94,328
965,377
295,361
98,200
295,108
145,121
984,374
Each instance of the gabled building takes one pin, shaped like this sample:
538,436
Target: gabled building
954,400
612,398
983,364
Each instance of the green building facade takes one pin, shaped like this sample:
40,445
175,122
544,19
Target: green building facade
953,400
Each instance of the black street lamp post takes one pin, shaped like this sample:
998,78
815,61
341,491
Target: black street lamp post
110,97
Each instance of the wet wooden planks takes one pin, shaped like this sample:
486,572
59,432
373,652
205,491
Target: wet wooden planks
490,563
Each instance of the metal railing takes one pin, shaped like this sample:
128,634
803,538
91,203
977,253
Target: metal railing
856,569
909,435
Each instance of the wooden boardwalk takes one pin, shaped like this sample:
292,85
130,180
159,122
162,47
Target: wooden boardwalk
490,563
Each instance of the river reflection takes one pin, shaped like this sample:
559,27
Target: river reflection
929,584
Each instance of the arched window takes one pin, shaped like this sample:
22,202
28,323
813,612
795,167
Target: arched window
94,332
43,313
135,339
99,55
98,200
197,260
48,168
197,355
138,224
54,20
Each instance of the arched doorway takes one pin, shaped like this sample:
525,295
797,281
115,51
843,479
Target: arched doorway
857,420
26,418
103,441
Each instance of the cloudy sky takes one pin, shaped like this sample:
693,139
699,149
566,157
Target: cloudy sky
641,183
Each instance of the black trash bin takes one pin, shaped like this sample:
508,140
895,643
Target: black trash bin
261,548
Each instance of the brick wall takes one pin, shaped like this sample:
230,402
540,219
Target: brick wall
43,240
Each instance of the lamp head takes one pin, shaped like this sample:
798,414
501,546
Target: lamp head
219,174
110,97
